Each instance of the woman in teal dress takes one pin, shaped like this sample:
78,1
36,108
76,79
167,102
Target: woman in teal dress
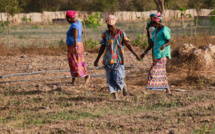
161,36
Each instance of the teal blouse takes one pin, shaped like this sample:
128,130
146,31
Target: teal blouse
160,39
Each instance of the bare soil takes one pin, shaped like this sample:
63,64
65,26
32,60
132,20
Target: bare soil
54,106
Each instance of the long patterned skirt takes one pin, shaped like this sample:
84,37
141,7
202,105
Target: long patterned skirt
77,66
157,79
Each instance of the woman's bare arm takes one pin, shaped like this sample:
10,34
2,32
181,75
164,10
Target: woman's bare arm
101,51
75,35
130,48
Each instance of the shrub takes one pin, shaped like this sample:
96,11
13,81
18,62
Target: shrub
213,13
90,43
212,18
93,21
140,41
25,19
4,23
62,44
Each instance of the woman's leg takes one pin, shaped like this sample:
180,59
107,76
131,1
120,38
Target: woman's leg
149,77
116,97
125,90
87,79
168,91
73,82
72,63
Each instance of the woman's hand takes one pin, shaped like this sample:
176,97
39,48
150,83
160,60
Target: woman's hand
142,55
138,57
162,47
75,35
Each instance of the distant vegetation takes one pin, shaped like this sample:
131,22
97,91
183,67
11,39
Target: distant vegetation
106,5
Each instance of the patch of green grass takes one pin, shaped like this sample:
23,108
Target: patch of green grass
28,119
212,130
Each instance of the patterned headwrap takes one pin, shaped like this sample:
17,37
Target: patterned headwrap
71,14
157,17
111,20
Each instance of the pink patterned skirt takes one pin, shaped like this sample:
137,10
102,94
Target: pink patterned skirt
77,66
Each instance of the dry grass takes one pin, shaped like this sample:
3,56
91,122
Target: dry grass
197,41
32,50
49,49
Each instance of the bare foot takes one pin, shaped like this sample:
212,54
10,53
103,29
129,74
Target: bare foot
116,97
87,79
168,91
144,91
73,84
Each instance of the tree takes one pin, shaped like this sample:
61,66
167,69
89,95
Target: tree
197,4
183,10
143,5
105,5
160,5
173,4
10,7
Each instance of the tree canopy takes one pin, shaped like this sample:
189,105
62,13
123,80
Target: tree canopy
10,6
104,5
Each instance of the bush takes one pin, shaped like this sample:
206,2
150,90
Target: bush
182,9
90,44
213,13
140,41
25,19
93,21
189,15
212,18
4,23
62,44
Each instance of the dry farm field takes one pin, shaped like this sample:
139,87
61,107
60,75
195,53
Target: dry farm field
49,104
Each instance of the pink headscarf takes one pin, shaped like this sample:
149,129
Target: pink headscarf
71,14
111,20
157,17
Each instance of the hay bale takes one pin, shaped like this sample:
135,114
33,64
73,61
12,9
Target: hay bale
185,50
210,49
198,58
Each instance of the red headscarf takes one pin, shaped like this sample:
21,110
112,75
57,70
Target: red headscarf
71,14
